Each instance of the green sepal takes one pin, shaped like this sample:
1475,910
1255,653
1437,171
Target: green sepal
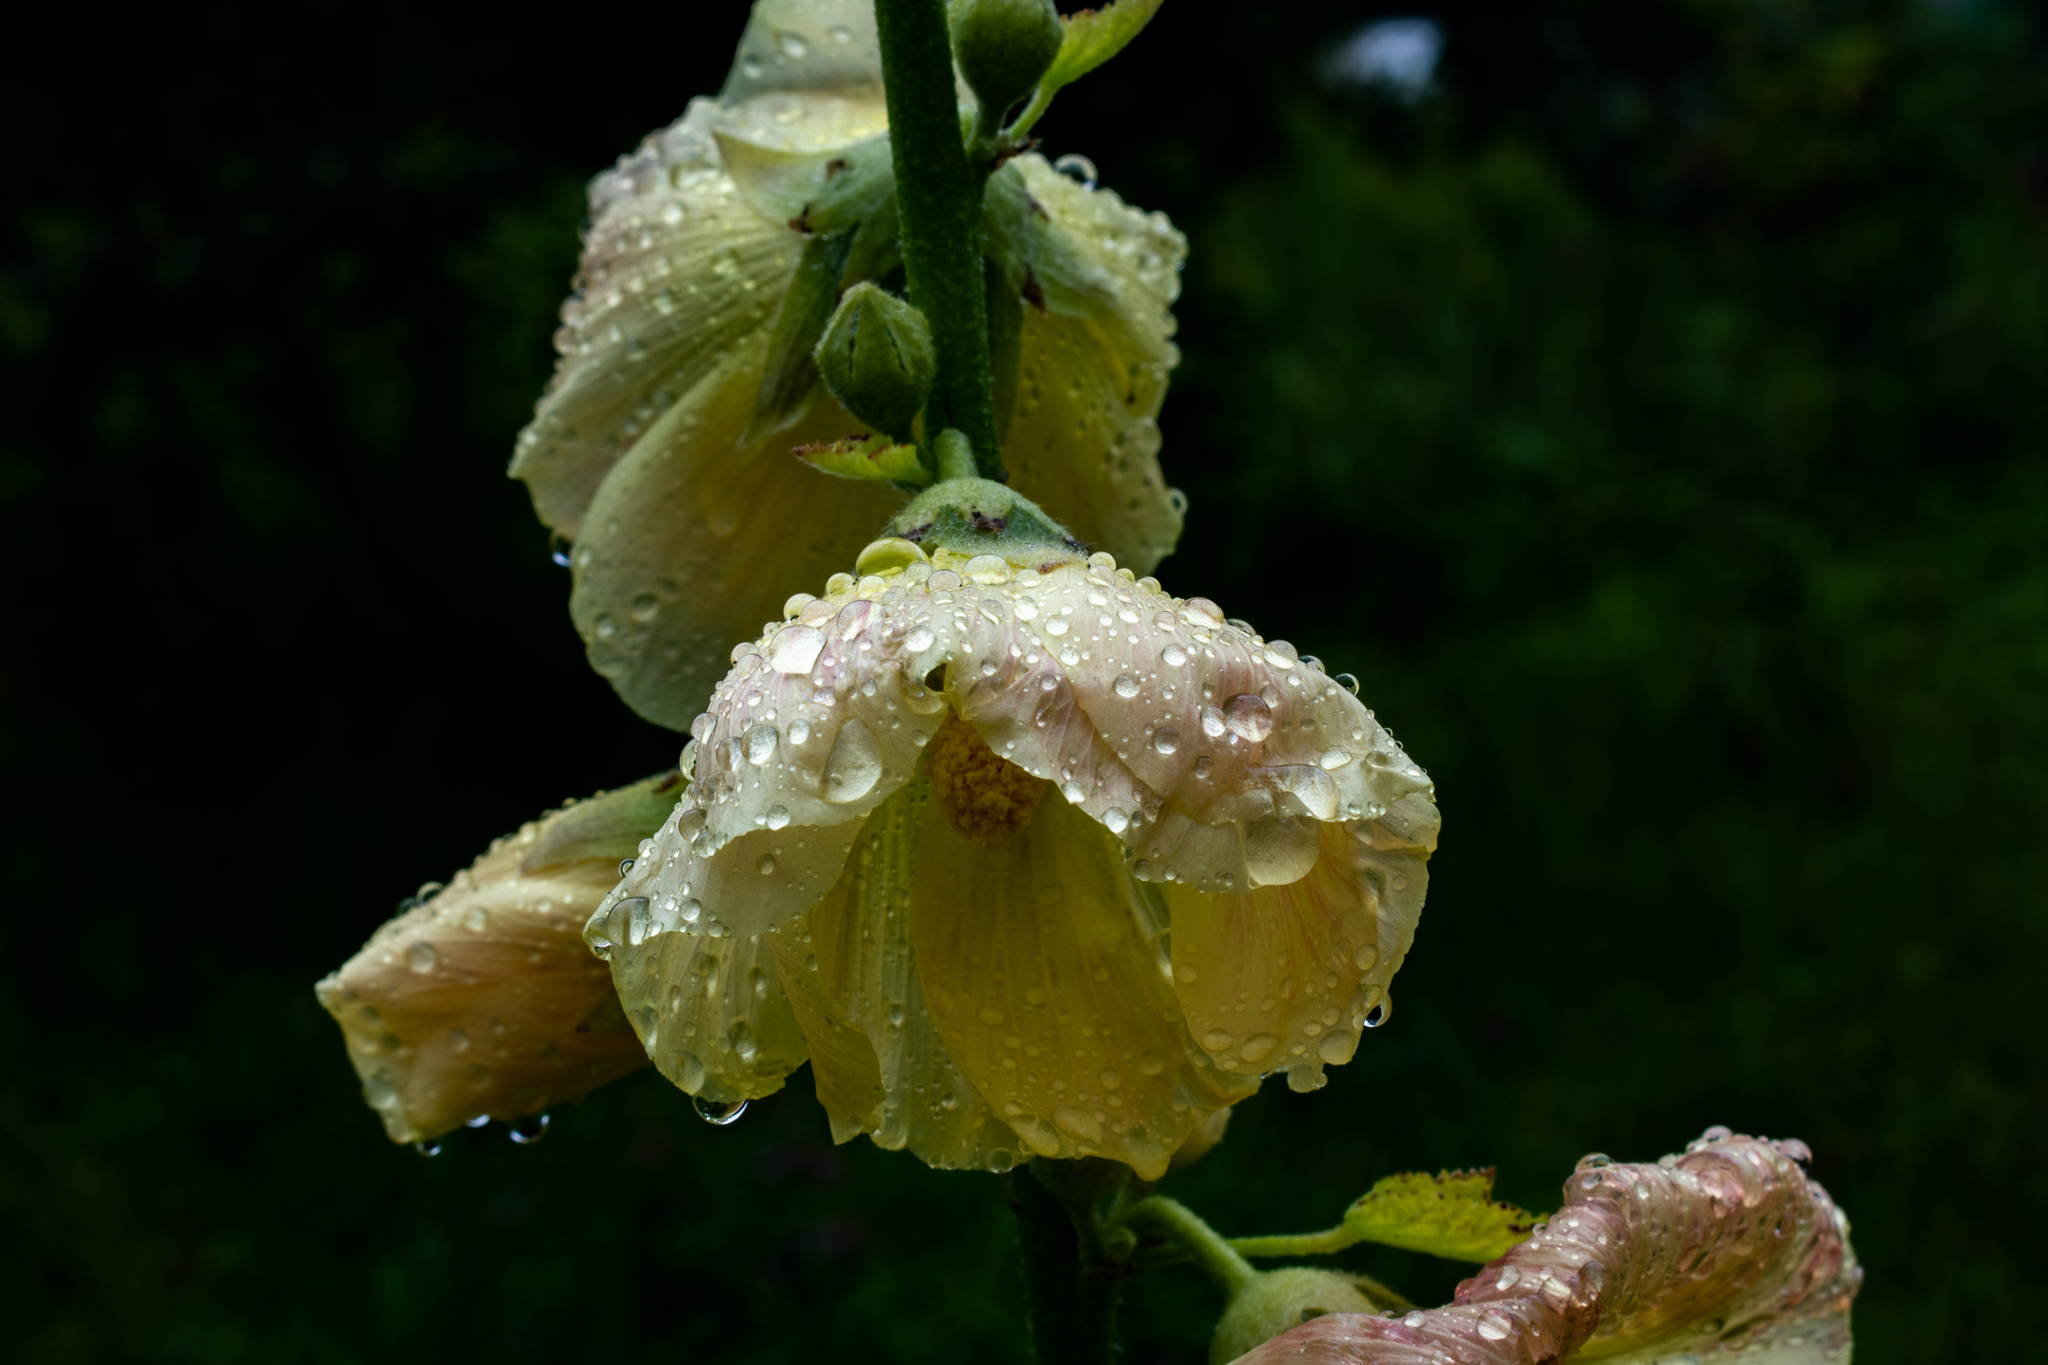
1451,1214
813,191
1092,37
869,458
979,516
1043,265
790,380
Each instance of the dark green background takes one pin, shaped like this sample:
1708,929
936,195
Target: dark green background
1656,418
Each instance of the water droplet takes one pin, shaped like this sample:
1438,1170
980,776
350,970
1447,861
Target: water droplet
1365,957
896,1013
719,1112
480,1121
777,817
1115,820
1151,1063
528,1129
428,1148
1204,766
1077,168
1216,1040
1594,1161
761,744
1334,758
1026,608
1336,1048
1056,626
1165,739
1126,685
919,640
625,866
627,922
1377,1015
1247,716
854,767
1173,656
1494,1327
766,865
795,648
1072,791
793,46
1257,1048
1212,722
988,569
558,549
422,956
799,732
1414,1320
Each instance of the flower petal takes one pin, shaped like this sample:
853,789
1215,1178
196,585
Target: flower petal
483,999
1039,955
1084,435
1728,1248
711,1012
880,1064
694,539
1285,976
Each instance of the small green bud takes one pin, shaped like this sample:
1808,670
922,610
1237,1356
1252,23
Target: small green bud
1003,47
877,359
1279,1301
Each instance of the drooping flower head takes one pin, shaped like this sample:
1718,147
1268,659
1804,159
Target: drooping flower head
480,999
1027,855
1727,1251
711,264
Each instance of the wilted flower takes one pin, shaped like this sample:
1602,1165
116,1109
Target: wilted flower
711,263
1726,1250
481,1000
1028,855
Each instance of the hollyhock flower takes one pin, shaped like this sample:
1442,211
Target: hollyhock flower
711,261
1028,855
1727,1250
481,1001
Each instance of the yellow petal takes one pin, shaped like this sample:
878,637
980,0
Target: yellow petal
1285,977
677,270
711,1012
876,1054
483,1000
1040,957
695,540
1084,439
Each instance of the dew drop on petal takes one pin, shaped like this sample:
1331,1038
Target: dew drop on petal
718,1112
1126,685
422,956
1115,820
1173,656
799,732
1248,717
1212,722
795,649
528,1129
1072,791
1165,739
777,817
761,744
919,639
854,766
1347,680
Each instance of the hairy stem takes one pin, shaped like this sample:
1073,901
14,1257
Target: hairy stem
1208,1249
938,200
1071,1288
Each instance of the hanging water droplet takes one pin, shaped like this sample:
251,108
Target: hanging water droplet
719,1112
528,1129
429,1148
480,1121
1077,168
1377,1015
558,549
625,866
1347,680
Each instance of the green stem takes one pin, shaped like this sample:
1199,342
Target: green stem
938,201
1209,1249
1070,1288
1298,1244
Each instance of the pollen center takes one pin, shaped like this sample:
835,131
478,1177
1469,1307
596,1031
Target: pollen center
987,797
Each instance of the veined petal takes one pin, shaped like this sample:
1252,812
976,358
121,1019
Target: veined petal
1728,1248
1097,351
694,539
1285,977
1040,957
711,1012
881,1066
483,1000
808,46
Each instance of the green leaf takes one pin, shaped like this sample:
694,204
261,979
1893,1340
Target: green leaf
791,375
1093,36
1096,35
866,457
1451,1214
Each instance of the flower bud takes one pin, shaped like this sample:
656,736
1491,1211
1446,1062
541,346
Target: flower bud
1003,47
1279,1301
877,359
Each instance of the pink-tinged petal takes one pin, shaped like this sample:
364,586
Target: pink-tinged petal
1726,1252
483,999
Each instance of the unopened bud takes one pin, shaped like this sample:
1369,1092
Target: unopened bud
877,359
1279,1301
1003,47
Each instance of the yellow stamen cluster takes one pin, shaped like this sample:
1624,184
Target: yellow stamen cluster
987,797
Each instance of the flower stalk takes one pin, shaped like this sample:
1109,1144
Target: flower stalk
938,199
1070,1282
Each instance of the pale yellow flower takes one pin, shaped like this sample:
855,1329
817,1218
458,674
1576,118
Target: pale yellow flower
481,1001
659,452
1028,856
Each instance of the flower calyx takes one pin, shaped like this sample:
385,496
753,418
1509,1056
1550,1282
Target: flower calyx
972,517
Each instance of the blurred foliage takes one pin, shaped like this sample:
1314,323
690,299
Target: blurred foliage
1653,417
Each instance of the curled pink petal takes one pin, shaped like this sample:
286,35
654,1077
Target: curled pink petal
1726,1251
